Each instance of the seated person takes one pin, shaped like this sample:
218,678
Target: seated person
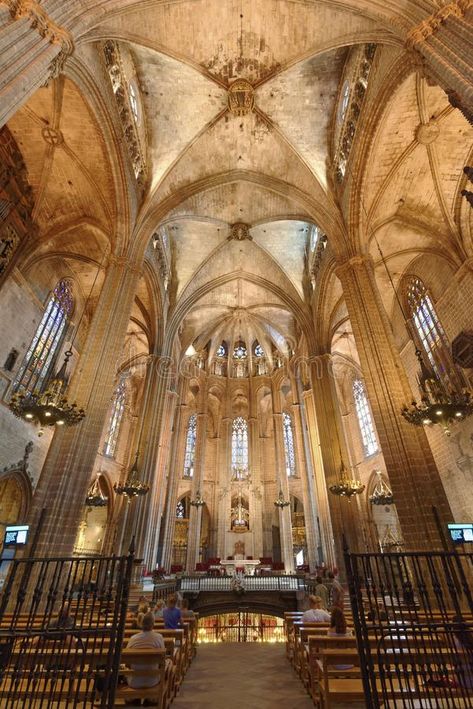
316,613
172,614
143,608
322,591
338,628
159,608
185,610
147,639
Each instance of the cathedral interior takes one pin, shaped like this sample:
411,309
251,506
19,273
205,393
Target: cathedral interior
245,227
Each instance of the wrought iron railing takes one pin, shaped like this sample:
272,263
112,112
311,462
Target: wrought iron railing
413,616
61,630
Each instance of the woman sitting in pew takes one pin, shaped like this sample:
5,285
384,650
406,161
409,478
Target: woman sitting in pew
316,613
338,628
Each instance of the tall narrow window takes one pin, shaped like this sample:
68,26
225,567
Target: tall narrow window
240,447
368,436
118,407
190,447
46,342
288,444
429,331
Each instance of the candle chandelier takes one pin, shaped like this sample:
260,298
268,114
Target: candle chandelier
280,502
198,501
133,486
95,496
49,407
382,493
438,404
346,486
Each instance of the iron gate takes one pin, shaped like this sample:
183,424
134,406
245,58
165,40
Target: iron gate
61,629
413,616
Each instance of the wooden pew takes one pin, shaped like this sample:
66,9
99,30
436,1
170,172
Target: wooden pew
151,663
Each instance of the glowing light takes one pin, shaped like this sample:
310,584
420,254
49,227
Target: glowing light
191,351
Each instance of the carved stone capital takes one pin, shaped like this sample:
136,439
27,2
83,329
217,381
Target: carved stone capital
46,27
355,262
428,27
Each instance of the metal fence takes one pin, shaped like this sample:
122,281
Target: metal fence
61,629
413,616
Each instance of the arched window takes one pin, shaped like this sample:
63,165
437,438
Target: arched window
430,333
365,420
239,447
118,407
46,342
288,444
190,447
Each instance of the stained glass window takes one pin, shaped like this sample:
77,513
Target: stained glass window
46,342
365,420
181,509
118,407
289,445
429,330
190,447
239,447
221,351
133,102
240,350
259,351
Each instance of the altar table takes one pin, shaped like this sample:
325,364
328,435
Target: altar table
248,565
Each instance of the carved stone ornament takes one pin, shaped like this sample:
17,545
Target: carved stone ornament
427,133
240,232
241,97
46,27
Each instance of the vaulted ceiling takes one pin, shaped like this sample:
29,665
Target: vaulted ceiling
209,169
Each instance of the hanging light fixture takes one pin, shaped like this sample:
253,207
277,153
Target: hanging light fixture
280,501
133,486
49,406
438,405
390,541
95,496
346,486
198,501
382,493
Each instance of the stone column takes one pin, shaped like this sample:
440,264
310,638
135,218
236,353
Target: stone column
65,477
142,522
414,477
343,513
223,477
308,497
256,499
33,50
324,522
195,516
175,475
285,521
161,436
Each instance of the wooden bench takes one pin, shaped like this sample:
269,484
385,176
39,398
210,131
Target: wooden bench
145,664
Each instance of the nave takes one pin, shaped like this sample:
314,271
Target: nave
234,675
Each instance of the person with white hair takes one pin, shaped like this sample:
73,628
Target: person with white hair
147,639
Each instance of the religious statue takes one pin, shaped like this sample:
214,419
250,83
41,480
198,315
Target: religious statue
239,550
240,516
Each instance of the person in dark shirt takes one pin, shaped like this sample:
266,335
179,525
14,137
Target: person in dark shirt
171,614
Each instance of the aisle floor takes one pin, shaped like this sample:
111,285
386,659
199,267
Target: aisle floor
237,675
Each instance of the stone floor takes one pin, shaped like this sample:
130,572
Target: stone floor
239,675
